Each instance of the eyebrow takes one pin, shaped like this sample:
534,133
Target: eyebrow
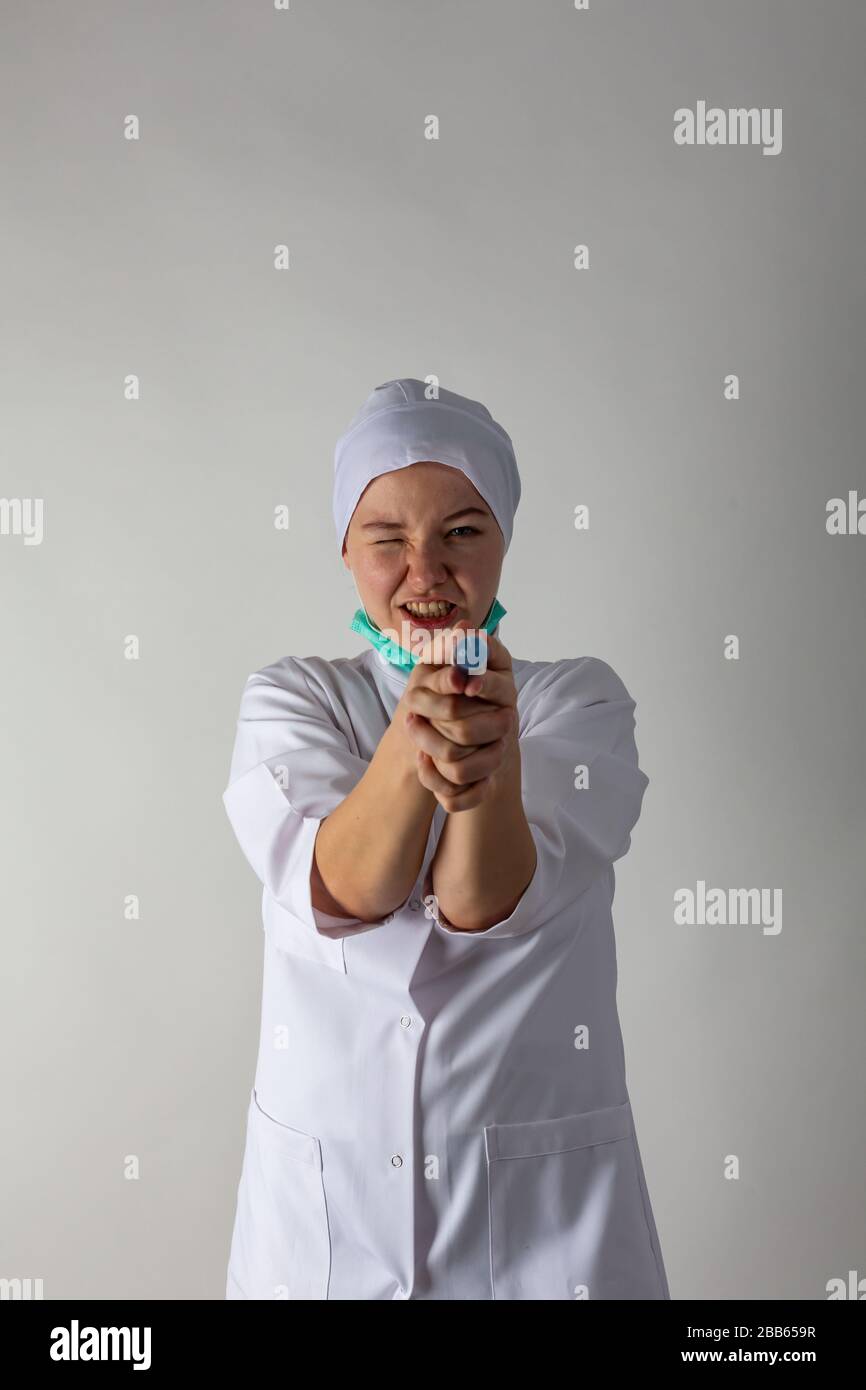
394,525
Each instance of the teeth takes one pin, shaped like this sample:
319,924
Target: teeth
437,609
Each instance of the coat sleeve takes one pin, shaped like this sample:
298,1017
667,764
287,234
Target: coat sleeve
582,717
291,767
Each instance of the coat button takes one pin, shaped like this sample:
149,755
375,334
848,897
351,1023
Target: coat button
397,1160
406,1021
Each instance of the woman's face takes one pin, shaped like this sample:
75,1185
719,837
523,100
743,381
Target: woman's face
424,532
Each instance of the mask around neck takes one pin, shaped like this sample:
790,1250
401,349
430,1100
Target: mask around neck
397,655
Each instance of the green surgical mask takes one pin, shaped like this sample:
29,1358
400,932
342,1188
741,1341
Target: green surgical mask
392,651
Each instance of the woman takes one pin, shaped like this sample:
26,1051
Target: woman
440,1107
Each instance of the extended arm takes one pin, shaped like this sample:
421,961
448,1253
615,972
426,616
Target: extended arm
326,831
581,790
369,850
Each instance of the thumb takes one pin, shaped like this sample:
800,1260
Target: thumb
460,626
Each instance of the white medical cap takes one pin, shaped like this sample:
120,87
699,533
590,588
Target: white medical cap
398,425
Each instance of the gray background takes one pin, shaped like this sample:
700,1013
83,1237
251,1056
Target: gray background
411,257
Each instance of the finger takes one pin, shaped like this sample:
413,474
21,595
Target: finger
477,766
478,729
498,655
498,664
458,765
435,743
447,704
441,679
473,727
496,681
450,797
496,687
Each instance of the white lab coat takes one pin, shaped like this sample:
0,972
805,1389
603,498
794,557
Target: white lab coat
424,1122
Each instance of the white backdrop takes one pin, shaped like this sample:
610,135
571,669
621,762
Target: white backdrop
168,383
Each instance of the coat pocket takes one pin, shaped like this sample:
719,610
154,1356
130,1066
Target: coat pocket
281,1245
568,1218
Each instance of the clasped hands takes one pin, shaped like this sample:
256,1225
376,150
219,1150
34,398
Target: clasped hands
464,727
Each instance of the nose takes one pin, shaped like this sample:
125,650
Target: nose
426,570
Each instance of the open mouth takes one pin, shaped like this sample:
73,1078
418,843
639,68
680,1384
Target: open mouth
429,615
